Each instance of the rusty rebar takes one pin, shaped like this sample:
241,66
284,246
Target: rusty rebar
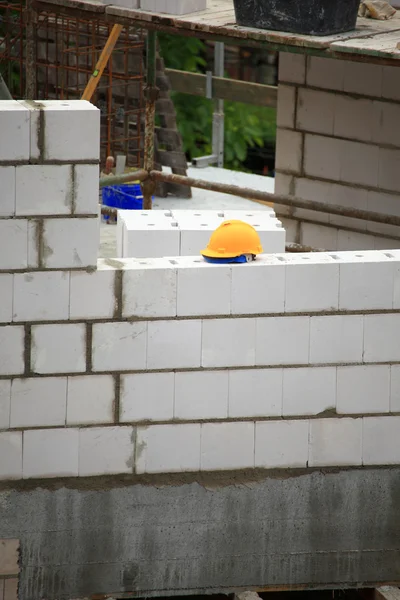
30,49
139,175
267,198
151,93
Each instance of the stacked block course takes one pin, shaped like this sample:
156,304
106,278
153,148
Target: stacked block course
338,143
187,232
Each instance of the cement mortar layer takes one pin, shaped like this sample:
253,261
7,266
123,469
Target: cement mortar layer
216,534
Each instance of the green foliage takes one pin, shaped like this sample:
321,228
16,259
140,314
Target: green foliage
182,53
246,126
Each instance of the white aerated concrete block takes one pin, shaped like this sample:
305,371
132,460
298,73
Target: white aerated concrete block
272,235
282,340
363,389
309,391
11,454
366,286
255,393
119,346
168,448
72,130
381,338
7,186
92,295
396,284
13,244
174,344
151,239
148,288
33,243
51,453
58,348
86,188
15,131
310,286
381,441
173,7
90,399
41,296
5,400
6,297
292,67
195,236
226,446
395,388
203,288
69,243
336,339
228,342
11,350
335,442
201,395
147,397
44,190
281,444
286,106
106,450
258,287
38,402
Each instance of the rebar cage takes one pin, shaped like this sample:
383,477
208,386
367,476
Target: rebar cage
66,50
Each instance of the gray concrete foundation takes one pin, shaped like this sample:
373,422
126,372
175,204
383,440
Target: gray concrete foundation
172,536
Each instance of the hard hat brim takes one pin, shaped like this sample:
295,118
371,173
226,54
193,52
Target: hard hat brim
214,254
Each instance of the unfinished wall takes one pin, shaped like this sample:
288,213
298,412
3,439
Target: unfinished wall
116,373
151,234
338,142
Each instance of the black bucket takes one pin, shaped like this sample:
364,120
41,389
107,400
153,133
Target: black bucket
313,17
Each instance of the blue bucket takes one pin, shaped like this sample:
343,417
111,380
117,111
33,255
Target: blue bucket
127,197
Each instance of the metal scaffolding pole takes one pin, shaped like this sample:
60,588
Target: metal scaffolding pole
251,194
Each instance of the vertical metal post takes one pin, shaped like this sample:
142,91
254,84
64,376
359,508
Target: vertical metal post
151,92
30,63
218,116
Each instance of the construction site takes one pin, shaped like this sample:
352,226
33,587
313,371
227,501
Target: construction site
199,317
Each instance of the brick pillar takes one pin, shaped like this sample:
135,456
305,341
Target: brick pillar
338,142
49,154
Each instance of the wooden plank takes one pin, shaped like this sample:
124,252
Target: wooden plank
387,593
218,22
384,44
224,89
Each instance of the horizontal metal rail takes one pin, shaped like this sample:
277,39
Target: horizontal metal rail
268,198
139,175
251,194
195,84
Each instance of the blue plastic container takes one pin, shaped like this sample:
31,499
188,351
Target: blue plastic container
128,197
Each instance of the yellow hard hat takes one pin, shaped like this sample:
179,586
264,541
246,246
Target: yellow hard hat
233,238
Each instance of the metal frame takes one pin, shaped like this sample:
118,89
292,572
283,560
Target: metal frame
217,156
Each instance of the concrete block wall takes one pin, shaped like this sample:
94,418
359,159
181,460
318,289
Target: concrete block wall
173,364
49,185
151,234
338,143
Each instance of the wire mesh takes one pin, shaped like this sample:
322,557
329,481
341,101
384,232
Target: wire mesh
67,49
